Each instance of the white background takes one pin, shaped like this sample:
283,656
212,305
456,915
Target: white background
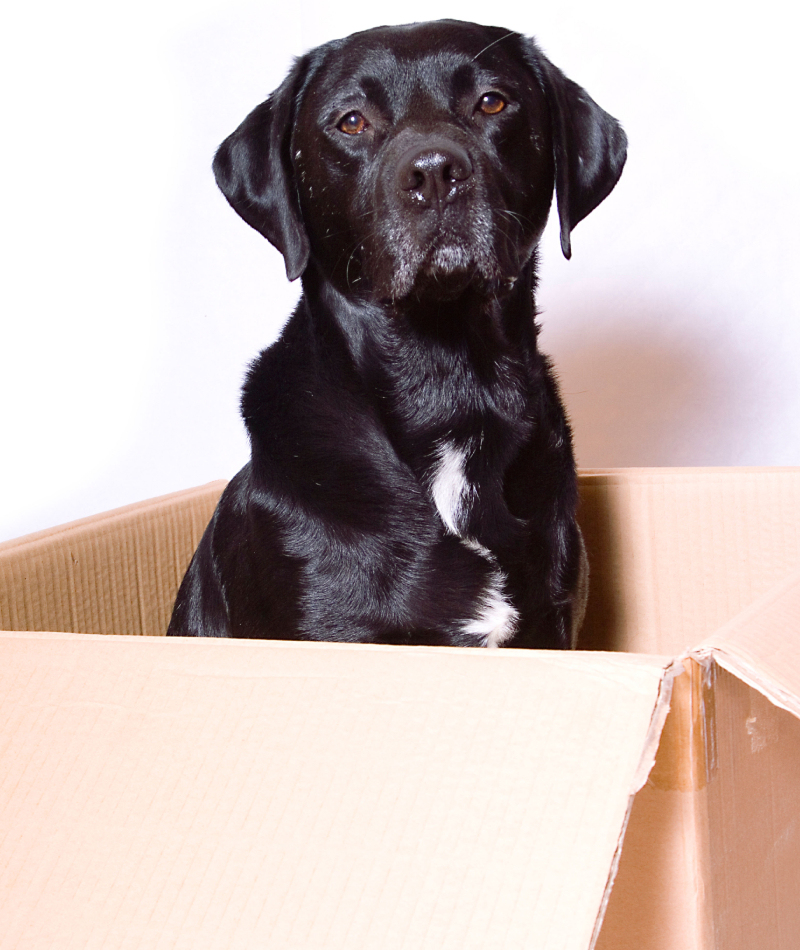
132,297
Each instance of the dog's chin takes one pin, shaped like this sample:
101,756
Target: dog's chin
446,273
434,284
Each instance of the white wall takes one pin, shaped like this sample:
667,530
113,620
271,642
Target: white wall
134,297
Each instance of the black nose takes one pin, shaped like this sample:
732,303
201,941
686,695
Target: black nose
434,174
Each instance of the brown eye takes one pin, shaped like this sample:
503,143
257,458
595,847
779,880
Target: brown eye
352,124
491,103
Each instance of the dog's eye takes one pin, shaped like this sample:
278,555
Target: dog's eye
352,124
491,103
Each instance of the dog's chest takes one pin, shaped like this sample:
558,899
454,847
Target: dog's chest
458,431
455,496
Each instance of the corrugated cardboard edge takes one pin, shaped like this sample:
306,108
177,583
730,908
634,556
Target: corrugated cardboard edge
115,514
757,646
649,751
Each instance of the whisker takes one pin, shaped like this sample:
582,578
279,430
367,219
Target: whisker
510,33
513,214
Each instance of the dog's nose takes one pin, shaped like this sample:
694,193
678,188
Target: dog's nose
434,175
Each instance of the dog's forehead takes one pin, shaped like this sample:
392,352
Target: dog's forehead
444,58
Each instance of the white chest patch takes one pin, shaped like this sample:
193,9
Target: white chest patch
452,493
453,496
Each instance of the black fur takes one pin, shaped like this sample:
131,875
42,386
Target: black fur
415,235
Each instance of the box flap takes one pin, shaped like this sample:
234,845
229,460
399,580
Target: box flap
761,645
236,794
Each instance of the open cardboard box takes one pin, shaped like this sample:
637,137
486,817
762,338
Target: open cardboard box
642,792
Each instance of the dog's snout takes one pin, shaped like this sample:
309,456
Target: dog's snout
434,174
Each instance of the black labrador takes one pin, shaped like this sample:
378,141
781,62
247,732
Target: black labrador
412,478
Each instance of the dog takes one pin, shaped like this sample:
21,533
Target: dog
412,478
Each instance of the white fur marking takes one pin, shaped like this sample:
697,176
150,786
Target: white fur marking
478,548
497,620
450,488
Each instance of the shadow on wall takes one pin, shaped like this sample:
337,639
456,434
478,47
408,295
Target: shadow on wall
651,389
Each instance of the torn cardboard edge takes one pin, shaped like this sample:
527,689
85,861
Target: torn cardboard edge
649,752
759,647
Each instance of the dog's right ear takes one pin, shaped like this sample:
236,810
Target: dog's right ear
254,171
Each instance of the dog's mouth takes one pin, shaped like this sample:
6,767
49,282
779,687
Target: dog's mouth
439,286
448,271
448,266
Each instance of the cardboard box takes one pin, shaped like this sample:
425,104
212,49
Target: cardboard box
177,793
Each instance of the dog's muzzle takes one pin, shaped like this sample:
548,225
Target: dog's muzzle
435,232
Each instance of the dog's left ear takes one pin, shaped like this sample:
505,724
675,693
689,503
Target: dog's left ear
590,148
254,171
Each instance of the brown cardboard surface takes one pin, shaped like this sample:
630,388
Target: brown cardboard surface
711,855
656,902
761,645
116,572
676,553
659,900
168,793
226,794
751,809
715,864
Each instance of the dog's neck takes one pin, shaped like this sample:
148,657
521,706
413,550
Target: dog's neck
475,355
478,327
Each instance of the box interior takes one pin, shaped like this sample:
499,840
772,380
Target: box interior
674,554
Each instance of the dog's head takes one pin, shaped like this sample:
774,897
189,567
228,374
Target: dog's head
420,159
